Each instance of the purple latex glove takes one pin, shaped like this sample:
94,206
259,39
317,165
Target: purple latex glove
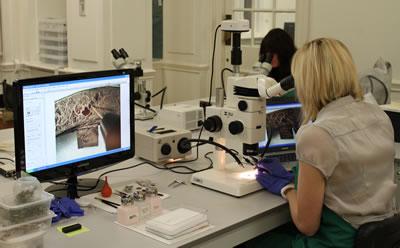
273,167
72,207
65,208
271,183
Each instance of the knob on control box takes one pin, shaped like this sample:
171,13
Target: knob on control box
159,144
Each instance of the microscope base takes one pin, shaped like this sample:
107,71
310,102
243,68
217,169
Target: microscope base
234,180
144,115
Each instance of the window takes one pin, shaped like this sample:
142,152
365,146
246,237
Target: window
157,29
263,16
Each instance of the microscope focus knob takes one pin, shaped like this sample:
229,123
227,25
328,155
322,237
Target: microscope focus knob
213,123
165,149
242,105
236,127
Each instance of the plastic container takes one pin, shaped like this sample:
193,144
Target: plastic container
27,189
177,223
32,240
15,231
11,214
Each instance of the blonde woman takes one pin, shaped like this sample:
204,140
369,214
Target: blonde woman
345,150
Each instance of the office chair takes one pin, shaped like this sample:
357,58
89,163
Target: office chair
382,234
8,96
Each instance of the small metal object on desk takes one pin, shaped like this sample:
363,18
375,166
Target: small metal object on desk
144,183
128,188
120,193
176,183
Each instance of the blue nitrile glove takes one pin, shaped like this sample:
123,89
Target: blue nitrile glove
271,183
274,168
72,206
65,208
272,175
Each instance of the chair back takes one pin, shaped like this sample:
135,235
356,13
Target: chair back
382,234
8,96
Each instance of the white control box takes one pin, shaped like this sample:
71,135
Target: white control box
242,25
161,143
182,116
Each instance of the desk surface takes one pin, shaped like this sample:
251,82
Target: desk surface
234,219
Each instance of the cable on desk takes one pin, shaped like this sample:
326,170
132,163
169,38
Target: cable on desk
64,183
57,190
88,188
269,137
147,119
8,159
246,159
222,78
146,108
220,146
212,62
111,171
190,170
163,90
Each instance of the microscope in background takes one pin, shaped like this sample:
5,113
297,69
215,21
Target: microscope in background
238,123
142,96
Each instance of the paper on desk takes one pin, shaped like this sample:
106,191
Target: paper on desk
141,228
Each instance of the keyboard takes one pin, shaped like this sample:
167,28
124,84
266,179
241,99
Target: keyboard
284,157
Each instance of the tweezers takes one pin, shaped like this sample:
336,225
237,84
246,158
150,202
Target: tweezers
109,203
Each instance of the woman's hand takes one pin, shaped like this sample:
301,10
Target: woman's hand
273,176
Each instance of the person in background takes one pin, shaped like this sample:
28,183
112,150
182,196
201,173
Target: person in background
281,47
345,149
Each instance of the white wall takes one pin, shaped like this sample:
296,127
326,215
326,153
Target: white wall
119,23
188,31
51,8
369,28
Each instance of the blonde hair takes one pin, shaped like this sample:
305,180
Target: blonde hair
324,71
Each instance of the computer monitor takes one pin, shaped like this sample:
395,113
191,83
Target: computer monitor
283,122
73,124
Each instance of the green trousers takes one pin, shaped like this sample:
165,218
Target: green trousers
334,231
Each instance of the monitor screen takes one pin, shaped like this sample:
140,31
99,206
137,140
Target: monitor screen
68,125
283,121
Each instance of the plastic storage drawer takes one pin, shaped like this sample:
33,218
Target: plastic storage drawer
32,240
18,230
11,214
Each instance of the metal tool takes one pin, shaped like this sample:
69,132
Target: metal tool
176,183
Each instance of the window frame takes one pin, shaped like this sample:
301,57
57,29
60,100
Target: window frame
250,36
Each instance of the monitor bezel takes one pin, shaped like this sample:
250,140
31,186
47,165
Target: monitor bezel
284,147
83,166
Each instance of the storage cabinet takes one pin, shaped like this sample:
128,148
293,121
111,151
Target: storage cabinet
95,27
76,34
53,42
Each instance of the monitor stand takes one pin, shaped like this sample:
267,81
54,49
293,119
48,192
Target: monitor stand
72,191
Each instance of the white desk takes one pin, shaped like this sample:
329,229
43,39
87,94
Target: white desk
235,219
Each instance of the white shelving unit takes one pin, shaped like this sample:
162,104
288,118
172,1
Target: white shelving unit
53,41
